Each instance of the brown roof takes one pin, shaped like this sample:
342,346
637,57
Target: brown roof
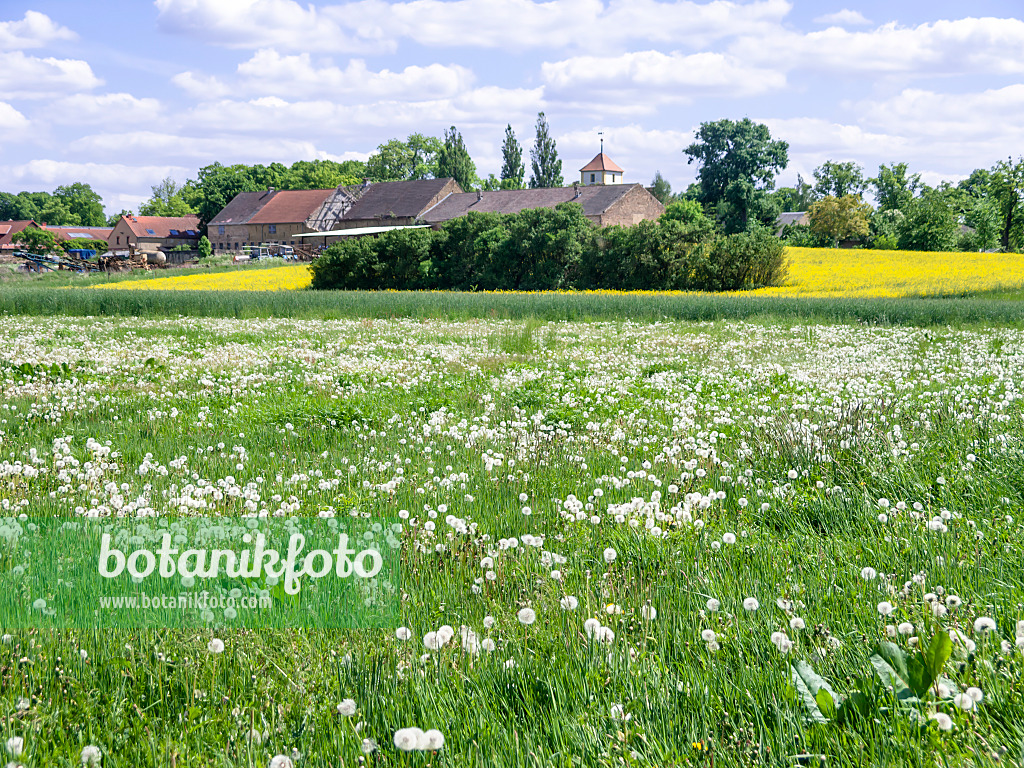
595,200
242,207
290,206
601,162
83,233
399,199
161,226
9,229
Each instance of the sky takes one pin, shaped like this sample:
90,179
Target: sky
123,93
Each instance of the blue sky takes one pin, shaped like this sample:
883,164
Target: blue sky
122,94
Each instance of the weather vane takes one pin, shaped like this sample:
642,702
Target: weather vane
601,134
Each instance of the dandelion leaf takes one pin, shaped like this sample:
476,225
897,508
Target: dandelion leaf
891,665
814,691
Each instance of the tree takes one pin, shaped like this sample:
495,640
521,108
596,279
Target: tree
738,162
167,200
661,189
454,161
58,213
397,160
839,179
84,205
839,218
686,212
205,247
323,174
512,168
894,189
929,225
1006,185
798,198
114,218
37,240
547,168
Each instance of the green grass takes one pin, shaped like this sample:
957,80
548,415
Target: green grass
327,305
692,405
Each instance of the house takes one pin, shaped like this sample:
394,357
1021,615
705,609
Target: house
229,230
8,229
391,203
791,218
162,232
283,215
603,204
601,170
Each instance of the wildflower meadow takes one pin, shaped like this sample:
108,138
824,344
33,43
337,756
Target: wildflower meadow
622,543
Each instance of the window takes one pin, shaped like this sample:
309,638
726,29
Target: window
174,232
592,177
151,232
272,229
191,232
118,239
220,230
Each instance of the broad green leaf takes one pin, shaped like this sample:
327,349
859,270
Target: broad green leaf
814,691
937,654
890,664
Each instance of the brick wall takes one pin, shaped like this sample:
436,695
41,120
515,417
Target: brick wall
635,206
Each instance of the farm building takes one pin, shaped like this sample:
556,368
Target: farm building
603,204
162,232
80,233
8,229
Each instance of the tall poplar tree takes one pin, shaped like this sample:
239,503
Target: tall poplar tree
512,169
547,168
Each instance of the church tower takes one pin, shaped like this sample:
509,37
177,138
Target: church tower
600,170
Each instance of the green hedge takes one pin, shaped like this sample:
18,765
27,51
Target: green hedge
552,249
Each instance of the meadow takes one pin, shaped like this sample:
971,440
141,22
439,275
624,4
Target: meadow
662,543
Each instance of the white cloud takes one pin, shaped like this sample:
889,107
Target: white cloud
110,108
29,77
269,72
985,46
201,87
377,26
844,18
175,147
645,76
33,31
955,117
13,124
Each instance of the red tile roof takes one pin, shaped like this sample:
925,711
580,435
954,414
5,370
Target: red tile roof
9,229
161,226
601,162
290,206
86,233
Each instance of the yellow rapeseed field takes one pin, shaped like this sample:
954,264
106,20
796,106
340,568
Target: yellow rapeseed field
823,272
287,278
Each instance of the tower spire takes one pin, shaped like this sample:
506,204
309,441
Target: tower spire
601,134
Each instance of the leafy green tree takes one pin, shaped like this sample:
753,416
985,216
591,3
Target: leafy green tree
840,218
661,189
839,180
894,188
83,203
930,224
167,200
397,160
1006,185
798,198
547,168
10,207
37,240
323,174
205,247
687,212
114,218
58,213
492,182
738,162
454,161
512,169
216,185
